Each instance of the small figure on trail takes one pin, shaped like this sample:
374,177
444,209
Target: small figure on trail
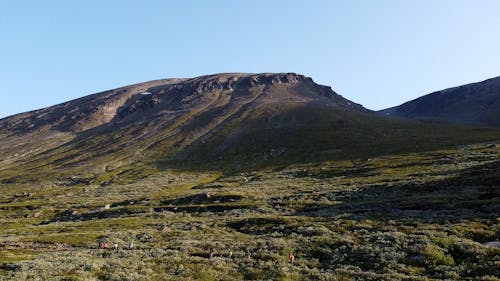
230,254
131,246
291,258
249,255
212,253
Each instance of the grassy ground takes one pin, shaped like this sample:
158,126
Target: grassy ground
417,216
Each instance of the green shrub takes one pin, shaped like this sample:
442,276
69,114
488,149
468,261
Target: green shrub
435,256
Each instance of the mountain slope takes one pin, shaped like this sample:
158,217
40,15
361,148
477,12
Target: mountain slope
217,122
116,127
475,104
260,165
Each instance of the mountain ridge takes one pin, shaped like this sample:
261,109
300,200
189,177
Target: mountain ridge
163,116
219,122
473,104
105,105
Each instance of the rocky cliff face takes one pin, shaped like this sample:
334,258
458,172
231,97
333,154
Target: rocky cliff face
473,104
167,95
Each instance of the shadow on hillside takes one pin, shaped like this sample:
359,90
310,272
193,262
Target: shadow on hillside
472,193
294,135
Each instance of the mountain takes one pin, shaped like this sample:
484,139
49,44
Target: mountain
224,122
190,171
473,104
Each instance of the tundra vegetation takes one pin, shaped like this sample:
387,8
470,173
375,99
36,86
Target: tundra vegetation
229,176
429,215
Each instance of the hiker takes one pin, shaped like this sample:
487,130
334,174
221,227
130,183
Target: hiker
212,253
249,255
131,246
291,258
230,255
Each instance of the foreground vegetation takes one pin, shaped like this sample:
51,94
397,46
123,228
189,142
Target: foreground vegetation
418,216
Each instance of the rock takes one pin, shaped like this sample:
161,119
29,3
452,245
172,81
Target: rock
208,195
34,215
492,244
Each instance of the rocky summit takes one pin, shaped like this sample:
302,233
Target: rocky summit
169,98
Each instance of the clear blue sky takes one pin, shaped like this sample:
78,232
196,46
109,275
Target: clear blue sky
377,53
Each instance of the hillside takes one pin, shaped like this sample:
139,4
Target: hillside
220,177
216,122
160,117
472,104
